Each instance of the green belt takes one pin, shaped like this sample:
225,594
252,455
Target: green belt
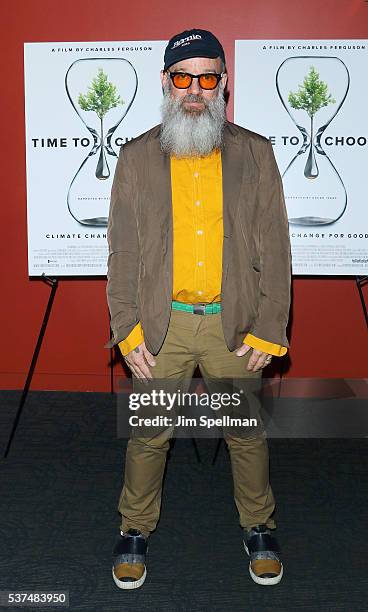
200,308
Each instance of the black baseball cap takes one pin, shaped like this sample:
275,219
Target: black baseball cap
192,43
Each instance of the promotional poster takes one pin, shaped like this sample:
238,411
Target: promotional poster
82,101
309,98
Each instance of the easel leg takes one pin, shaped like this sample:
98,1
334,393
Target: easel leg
111,371
194,442
361,281
217,451
218,446
53,282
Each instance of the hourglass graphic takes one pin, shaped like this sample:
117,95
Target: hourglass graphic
312,89
101,91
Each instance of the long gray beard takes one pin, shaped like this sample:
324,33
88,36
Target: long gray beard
191,134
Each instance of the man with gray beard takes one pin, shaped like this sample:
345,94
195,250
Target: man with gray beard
187,132
198,275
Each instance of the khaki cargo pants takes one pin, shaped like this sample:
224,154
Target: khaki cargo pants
193,340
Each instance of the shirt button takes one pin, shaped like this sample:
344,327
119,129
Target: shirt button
199,292
200,263
199,232
197,203
196,175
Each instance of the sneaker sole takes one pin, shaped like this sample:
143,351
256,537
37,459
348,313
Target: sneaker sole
263,581
133,584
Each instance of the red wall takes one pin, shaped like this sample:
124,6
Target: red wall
328,333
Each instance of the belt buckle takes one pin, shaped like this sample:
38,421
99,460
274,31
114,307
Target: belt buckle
199,308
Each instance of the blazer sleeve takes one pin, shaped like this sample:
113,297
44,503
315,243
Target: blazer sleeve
275,255
123,258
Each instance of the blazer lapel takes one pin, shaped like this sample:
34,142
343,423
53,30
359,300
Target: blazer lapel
232,178
160,183
160,186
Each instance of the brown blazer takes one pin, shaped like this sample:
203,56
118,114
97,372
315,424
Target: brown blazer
256,259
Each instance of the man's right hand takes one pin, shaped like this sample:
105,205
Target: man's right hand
139,360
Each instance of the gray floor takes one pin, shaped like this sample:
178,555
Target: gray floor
59,491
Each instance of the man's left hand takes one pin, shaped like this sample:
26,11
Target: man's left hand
257,360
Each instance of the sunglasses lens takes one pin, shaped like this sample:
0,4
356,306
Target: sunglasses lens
182,80
208,81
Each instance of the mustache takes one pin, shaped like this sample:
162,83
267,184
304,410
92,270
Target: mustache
194,98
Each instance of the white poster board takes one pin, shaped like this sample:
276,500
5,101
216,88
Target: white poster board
310,97
82,101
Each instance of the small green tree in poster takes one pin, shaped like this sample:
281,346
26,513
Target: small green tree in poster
100,98
311,97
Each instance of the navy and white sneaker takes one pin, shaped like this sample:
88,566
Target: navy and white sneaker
261,546
129,560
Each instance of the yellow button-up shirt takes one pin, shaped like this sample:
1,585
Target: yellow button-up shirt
197,240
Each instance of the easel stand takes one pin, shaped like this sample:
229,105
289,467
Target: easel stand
361,281
53,283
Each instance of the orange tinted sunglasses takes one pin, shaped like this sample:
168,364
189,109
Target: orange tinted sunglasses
183,80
